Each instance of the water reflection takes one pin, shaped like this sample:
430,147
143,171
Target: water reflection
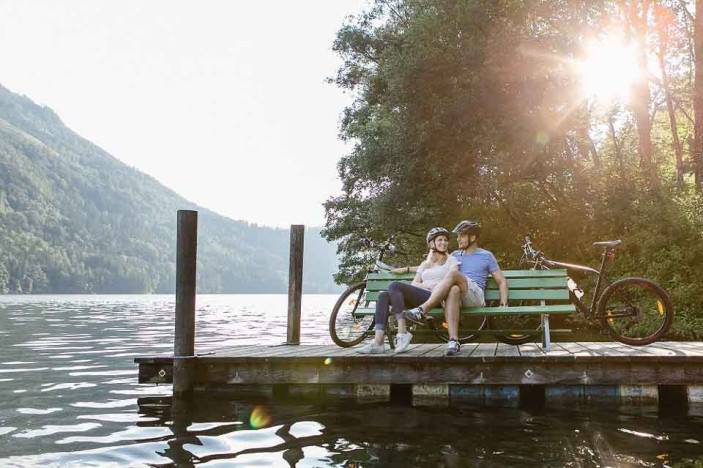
346,433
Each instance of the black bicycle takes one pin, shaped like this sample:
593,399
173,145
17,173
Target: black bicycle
634,311
349,328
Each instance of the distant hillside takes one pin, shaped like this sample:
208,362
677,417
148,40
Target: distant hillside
74,219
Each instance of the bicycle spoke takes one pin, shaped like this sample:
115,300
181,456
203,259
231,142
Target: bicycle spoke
636,311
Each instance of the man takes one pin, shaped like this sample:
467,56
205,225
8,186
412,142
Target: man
464,285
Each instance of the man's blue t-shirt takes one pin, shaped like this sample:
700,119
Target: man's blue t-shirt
477,265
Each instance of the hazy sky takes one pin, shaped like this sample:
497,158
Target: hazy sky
225,102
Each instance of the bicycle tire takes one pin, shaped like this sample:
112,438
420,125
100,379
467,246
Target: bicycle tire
517,339
354,324
635,289
443,333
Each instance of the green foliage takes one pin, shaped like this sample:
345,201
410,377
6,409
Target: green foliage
73,219
467,109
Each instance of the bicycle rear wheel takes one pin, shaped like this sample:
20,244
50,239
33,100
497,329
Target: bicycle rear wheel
635,311
347,327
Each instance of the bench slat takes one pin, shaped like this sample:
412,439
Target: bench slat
385,275
513,294
513,310
524,283
518,283
519,294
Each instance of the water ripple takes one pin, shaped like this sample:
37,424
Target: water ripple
70,397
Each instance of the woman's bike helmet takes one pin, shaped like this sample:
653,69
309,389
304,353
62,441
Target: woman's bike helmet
436,231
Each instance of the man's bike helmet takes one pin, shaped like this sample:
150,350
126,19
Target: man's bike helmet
436,231
472,227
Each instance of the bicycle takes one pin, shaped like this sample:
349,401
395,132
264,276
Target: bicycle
349,328
635,311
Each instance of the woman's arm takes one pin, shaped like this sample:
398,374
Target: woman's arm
401,270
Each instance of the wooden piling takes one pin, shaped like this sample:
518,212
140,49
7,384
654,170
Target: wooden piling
184,342
295,282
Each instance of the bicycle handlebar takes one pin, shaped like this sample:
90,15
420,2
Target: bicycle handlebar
528,249
386,247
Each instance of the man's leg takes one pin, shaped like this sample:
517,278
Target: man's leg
440,292
452,311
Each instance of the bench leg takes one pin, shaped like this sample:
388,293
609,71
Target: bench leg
546,340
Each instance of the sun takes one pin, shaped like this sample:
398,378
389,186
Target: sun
608,70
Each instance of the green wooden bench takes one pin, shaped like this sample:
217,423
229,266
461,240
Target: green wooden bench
546,288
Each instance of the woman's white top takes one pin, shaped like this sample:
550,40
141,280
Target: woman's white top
431,276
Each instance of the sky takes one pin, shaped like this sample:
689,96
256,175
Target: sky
224,102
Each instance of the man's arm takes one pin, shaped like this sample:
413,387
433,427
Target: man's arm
503,286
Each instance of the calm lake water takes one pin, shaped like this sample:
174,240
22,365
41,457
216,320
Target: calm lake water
69,397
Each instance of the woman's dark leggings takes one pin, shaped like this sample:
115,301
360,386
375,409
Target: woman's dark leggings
401,296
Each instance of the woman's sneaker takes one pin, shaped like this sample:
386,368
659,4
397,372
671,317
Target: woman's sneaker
372,348
453,347
402,340
416,315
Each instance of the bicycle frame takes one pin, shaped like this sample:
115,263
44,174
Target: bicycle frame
540,262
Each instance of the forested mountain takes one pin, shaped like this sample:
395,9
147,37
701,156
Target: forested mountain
73,219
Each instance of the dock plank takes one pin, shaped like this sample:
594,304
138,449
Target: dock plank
577,350
503,349
437,350
485,350
533,349
611,348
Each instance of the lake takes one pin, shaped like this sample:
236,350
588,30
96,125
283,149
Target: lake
69,397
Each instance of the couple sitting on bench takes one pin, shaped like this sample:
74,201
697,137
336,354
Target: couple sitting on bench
458,279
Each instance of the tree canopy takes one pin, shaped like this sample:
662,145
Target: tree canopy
476,109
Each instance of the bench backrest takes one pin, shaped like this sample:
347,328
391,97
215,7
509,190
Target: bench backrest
548,285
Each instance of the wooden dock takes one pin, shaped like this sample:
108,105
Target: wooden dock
486,371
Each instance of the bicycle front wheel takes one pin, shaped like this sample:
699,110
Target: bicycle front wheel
517,329
347,326
635,311
469,327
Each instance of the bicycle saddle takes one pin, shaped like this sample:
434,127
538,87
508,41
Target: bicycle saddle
607,244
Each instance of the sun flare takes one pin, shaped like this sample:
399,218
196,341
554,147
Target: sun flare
609,70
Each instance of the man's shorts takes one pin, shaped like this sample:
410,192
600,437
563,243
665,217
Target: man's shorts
473,296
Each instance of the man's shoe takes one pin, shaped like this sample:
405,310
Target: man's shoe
402,340
416,315
453,348
372,348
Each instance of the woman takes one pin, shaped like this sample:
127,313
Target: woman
401,296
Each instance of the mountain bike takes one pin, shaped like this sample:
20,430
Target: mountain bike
352,319
634,311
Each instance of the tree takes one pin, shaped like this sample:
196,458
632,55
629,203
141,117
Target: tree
697,156
637,13
453,118
473,109
4,279
663,20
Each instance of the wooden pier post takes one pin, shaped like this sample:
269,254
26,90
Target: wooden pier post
295,282
184,343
